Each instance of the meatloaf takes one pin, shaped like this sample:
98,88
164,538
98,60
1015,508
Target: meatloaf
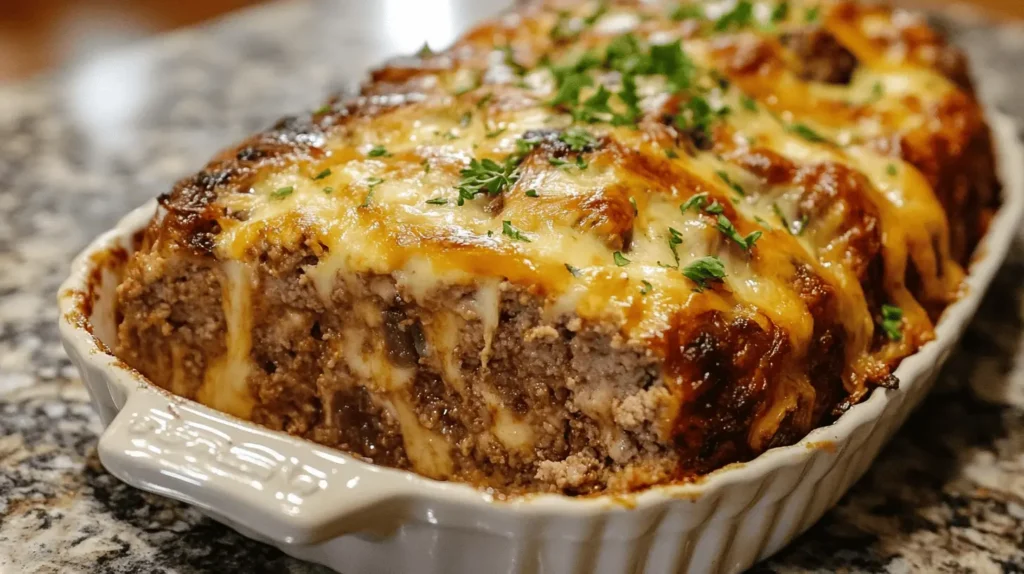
589,248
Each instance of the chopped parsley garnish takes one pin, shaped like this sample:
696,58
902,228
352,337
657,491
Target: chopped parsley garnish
577,139
687,12
601,10
671,153
704,270
728,181
322,109
877,91
646,288
581,163
569,89
525,146
715,208
371,183
594,106
328,190
675,239
495,133
748,103
575,271
465,90
558,162
629,97
672,62
507,229
531,193
729,230
698,201
794,228
697,115
438,201
466,119
561,31
282,192
627,56
892,322
620,259
740,16
487,176
483,101
426,165
780,12
378,151
804,131
812,14
322,174
510,60
892,170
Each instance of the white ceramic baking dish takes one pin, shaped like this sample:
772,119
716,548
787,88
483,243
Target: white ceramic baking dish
322,505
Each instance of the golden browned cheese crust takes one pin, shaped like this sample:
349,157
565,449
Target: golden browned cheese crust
592,246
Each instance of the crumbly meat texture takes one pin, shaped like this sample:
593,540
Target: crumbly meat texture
570,254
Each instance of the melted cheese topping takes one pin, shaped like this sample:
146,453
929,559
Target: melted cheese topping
382,198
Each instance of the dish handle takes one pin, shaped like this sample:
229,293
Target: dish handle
274,485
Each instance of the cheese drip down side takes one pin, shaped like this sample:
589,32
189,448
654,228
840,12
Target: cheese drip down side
529,154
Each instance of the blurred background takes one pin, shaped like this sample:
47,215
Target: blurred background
38,35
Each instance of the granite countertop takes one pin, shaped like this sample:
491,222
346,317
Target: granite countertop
81,147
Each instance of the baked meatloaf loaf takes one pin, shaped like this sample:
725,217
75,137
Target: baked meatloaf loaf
591,247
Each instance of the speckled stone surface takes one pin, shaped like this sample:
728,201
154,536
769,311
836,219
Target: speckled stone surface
82,147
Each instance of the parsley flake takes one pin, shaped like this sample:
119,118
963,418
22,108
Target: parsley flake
531,193
722,175
508,229
697,201
575,271
704,270
715,208
675,239
569,89
378,151
487,176
371,183
892,322
578,139
322,174
466,119
437,201
729,230
687,12
282,192
806,132
740,16
594,107
812,14
328,190
892,170
780,12
620,259
748,103
647,287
